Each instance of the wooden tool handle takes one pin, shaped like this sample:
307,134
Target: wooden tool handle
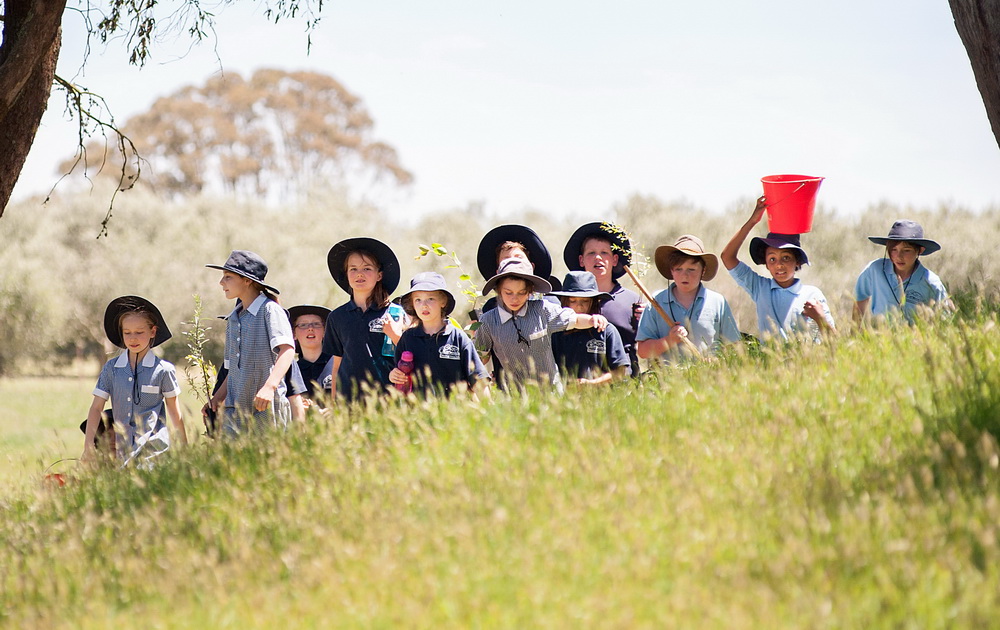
659,309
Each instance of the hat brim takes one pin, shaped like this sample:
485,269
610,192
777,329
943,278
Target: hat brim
338,254
406,300
663,252
486,257
541,285
126,304
758,249
598,295
929,246
243,274
574,247
308,309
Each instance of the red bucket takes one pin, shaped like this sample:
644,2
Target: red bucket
791,200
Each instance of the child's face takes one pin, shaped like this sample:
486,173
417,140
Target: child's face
781,263
362,273
580,305
598,258
233,285
309,330
429,305
514,292
903,255
137,332
687,275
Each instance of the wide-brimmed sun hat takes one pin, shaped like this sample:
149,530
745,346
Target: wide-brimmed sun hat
758,247
249,265
910,231
581,284
486,257
383,253
517,268
606,231
427,281
132,304
691,246
308,309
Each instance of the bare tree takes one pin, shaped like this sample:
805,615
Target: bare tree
978,24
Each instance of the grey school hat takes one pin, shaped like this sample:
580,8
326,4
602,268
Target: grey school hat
247,264
427,281
580,284
909,231
517,268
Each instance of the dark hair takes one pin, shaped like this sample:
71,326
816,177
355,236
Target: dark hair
508,245
595,304
379,297
678,257
916,246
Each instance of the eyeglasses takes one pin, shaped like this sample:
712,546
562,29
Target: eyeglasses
308,325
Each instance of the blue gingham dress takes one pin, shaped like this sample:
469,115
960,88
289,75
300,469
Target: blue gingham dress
137,404
253,335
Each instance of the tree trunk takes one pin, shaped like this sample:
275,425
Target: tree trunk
978,24
28,55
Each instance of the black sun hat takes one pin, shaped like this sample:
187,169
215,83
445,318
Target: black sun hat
606,231
580,284
249,265
758,247
308,309
910,231
125,304
486,257
383,253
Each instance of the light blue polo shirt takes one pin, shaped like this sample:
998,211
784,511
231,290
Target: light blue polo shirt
709,322
879,283
779,310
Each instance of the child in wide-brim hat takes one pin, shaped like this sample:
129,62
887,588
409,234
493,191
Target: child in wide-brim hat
444,357
786,306
259,350
700,315
588,356
361,334
308,329
899,282
141,387
519,330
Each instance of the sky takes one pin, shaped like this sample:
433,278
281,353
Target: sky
570,108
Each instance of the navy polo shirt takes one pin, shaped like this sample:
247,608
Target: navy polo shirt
356,337
442,359
619,312
312,372
589,353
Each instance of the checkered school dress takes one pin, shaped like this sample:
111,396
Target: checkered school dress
253,335
137,403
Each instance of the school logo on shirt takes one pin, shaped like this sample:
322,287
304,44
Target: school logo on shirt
449,351
596,346
375,325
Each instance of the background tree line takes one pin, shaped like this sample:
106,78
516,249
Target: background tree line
58,278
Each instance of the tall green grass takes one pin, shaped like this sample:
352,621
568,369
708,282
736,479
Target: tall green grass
851,484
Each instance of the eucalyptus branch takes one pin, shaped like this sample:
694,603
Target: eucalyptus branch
639,262
200,372
470,290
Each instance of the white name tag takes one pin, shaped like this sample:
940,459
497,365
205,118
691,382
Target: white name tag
150,389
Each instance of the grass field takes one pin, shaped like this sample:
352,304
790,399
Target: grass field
853,484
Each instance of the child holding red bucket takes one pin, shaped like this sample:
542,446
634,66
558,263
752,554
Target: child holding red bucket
141,387
898,282
785,305
443,355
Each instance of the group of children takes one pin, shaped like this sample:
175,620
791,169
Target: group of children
590,330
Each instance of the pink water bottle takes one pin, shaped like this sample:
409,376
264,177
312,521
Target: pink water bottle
405,366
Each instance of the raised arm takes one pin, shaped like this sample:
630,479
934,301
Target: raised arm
730,254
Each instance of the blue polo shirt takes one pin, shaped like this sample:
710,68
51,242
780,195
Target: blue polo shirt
367,355
618,311
589,353
441,360
779,309
709,321
879,283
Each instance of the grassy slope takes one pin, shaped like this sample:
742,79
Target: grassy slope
845,486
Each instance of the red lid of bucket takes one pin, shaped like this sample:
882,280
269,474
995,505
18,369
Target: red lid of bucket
791,200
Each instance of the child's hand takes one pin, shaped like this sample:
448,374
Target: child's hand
814,310
600,322
393,328
264,397
758,211
397,376
676,335
637,310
